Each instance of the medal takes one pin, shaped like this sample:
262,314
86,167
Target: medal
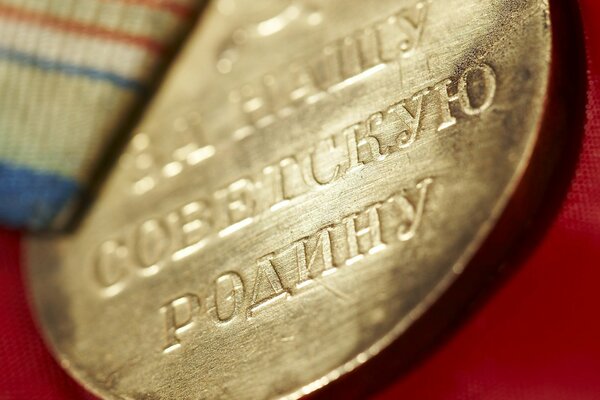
310,183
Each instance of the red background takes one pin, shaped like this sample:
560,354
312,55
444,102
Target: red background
536,337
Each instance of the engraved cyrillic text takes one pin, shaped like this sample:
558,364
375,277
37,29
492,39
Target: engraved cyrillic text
277,94
381,137
289,271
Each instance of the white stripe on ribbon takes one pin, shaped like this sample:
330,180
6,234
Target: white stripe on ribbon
119,58
121,16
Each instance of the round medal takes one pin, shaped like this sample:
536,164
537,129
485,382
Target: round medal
310,180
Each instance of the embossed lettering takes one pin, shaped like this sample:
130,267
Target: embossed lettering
334,67
302,265
152,242
475,93
448,120
110,263
146,167
293,181
196,222
228,297
306,262
363,237
183,232
324,164
412,215
487,89
410,119
179,316
267,285
240,200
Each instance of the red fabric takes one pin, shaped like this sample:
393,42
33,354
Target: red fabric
536,338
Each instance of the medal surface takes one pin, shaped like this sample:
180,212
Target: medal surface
311,178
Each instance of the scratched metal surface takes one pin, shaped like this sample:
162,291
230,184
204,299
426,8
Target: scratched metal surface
311,177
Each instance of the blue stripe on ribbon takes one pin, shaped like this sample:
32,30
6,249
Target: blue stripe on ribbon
32,199
70,69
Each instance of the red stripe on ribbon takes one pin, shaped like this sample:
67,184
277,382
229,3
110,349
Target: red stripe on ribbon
172,7
80,28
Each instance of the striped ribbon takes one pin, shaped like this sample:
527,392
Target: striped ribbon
70,72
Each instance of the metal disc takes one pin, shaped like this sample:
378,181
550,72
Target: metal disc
310,179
